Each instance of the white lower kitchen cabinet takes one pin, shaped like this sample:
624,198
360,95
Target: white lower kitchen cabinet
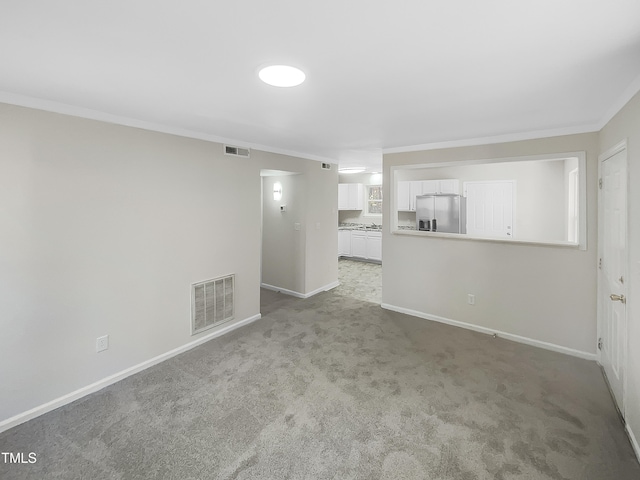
344,243
358,244
374,246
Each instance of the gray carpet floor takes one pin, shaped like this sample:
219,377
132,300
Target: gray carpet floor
333,387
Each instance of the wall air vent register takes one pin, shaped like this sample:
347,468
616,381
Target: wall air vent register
212,303
237,151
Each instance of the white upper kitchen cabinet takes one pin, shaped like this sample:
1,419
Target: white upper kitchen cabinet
356,196
429,187
343,196
440,187
350,196
415,189
451,186
409,190
404,194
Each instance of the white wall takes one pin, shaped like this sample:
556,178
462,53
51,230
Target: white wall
103,228
283,247
544,293
321,265
312,200
626,125
360,216
540,211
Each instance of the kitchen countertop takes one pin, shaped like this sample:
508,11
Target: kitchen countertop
360,226
370,228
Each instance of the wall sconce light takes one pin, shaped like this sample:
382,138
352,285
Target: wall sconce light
277,191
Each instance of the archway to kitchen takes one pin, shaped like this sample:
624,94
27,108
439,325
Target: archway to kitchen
360,205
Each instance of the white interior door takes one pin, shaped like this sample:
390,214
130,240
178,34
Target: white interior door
613,275
490,209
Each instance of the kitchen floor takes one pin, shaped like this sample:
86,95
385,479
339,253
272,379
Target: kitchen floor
359,280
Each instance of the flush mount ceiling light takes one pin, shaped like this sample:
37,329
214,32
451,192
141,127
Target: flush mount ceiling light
282,76
351,170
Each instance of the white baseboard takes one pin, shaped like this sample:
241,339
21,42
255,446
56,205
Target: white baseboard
326,287
634,441
489,331
293,293
282,290
105,382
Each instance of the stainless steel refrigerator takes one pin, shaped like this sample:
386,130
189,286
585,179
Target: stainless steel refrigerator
441,213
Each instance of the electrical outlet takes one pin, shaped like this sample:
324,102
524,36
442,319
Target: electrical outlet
471,299
102,343
296,226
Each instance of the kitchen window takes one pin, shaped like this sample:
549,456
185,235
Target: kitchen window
374,200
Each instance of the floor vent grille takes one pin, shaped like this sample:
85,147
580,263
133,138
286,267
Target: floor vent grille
237,151
212,303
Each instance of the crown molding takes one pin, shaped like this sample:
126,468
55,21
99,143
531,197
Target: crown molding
90,114
509,137
623,99
57,107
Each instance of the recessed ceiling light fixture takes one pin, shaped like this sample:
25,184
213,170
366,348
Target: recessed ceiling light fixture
282,76
351,170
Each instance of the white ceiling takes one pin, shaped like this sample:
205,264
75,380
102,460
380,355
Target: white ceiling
381,76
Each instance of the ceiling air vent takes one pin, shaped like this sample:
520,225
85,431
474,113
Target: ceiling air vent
211,303
326,166
237,151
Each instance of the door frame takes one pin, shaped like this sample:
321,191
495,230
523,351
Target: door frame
614,150
514,201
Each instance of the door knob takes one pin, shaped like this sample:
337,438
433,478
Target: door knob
618,298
